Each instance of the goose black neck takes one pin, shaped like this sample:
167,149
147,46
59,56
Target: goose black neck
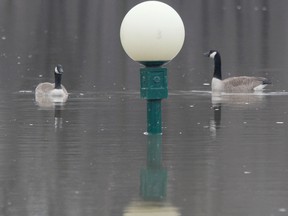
58,81
217,67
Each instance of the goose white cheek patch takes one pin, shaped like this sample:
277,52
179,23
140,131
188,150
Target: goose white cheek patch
57,71
212,55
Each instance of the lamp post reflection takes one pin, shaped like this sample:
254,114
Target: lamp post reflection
153,184
58,120
153,177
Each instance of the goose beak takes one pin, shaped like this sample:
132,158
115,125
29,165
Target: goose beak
206,54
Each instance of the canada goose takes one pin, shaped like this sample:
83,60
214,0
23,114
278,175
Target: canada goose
240,84
52,92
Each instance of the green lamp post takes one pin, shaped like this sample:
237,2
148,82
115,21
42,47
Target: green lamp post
152,33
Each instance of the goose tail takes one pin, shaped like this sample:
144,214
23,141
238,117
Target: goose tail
265,82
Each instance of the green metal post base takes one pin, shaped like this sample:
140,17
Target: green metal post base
154,88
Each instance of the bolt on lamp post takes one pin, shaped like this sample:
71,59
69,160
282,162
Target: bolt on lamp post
152,33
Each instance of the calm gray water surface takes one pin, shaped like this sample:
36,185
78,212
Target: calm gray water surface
217,156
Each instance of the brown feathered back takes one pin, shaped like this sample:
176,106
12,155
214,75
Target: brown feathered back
244,83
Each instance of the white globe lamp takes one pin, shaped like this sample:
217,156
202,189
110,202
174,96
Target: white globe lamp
152,33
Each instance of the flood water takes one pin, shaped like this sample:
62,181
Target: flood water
217,156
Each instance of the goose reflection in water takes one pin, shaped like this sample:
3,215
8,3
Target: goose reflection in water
241,101
46,102
153,185
58,109
215,123
58,120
